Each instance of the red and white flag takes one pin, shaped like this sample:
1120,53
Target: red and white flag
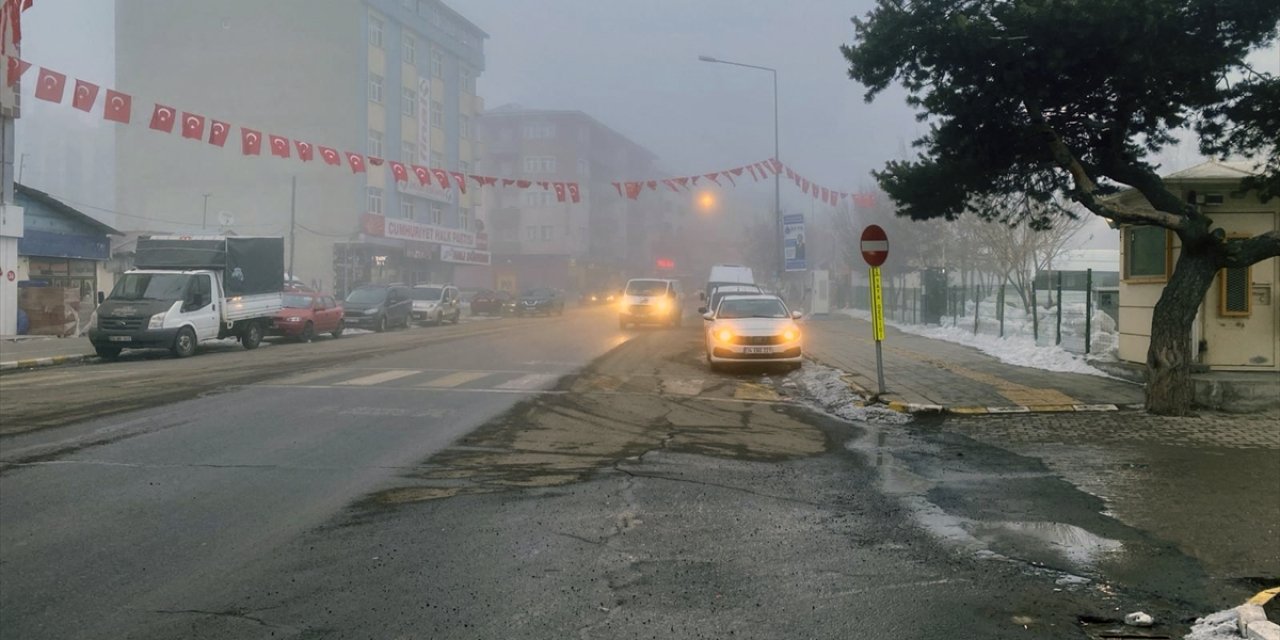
356,161
162,118
804,185
50,85
375,161
824,193
671,184
574,194
399,172
192,126
279,145
117,106
460,179
330,156
714,177
218,132
754,176
560,191
250,142
524,184
305,151
545,184
14,70
442,177
633,189
776,165
683,182
618,186
507,182
424,176
791,175
652,184
84,96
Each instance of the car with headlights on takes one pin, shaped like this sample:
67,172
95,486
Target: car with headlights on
651,301
306,314
436,303
540,301
752,329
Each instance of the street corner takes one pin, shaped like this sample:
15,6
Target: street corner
36,363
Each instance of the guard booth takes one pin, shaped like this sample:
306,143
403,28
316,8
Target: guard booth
819,292
934,302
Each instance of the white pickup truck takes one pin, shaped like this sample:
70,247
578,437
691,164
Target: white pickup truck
187,290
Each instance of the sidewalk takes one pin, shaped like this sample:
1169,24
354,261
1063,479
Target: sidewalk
34,351
922,374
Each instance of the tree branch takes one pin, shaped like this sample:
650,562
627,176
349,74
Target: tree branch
1247,251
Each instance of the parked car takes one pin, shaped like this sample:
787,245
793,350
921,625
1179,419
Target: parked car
719,292
435,303
651,301
379,306
752,328
540,301
307,314
490,303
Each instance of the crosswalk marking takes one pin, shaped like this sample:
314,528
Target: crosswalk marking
310,376
531,381
688,387
455,379
379,378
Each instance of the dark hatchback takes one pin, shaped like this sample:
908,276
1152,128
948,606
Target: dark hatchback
379,306
490,303
539,301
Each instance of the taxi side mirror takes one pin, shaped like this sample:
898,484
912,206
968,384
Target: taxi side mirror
796,315
708,316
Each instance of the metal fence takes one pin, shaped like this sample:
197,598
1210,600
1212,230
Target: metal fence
1068,317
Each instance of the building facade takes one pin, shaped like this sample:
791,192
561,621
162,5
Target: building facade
536,240
392,79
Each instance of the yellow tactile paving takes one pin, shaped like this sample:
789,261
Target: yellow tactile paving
753,391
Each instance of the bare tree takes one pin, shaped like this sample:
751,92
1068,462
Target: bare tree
1019,237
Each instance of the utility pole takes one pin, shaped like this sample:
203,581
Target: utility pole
204,214
293,221
22,164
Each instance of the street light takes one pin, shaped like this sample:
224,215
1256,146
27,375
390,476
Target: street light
777,178
204,215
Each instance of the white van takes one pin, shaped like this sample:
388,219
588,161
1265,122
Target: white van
722,274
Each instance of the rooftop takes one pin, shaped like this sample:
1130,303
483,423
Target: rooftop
1217,170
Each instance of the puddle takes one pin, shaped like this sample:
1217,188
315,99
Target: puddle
1040,542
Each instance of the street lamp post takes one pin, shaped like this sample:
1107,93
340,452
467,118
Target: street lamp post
777,177
204,215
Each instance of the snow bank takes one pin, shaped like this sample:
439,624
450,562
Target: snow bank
1216,626
825,389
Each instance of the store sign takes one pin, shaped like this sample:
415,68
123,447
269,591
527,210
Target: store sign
460,255
378,225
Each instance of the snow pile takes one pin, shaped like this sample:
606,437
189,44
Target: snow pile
1216,626
824,388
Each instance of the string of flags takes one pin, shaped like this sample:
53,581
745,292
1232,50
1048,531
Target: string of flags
117,107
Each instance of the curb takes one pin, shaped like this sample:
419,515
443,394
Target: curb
1252,619
914,408
50,361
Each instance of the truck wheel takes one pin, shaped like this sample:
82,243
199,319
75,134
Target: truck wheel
107,353
381,325
184,344
252,336
342,326
308,333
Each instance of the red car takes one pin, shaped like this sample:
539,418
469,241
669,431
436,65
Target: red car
307,313
488,302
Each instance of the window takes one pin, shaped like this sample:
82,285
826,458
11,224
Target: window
1233,292
464,127
375,143
437,114
408,151
424,8
1146,254
546,233
531,233
467,79
582,166
375,88
406,209
539,131
584,134
539,164
375,199
437,159
408,102
464,219
409,49
437,215
204,290
375,31
437,63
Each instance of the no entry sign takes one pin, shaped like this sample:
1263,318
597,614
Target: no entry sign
875,245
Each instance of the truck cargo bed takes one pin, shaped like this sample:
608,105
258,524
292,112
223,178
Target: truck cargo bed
258,305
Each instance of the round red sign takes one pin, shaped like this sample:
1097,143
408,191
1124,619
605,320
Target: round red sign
11,275
875,245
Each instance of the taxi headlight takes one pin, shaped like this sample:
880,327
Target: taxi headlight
790,334
724,335
664,306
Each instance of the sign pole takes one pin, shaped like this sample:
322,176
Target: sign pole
877,326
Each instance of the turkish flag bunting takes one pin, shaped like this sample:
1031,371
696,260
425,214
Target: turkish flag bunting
653,185
461,180
791,175
683,182
162,118
375,161
192,126
489,181
754,176
117,106
560,191
506,182
824,193
330,156
218,131
618,186
633,189
864,199
424,176
693,180
356,161
574,194
775,165
480,180
50,84
804,185
729,177
305,151
544,184
714,177
738,171
524,184
14,70
399,172
834,199
84,96
442,177
250,142
671,184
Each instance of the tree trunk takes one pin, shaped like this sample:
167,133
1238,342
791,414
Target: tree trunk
1169,358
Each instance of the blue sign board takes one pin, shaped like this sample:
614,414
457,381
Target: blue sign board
793,242
47,244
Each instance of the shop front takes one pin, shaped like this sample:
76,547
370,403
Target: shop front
393,250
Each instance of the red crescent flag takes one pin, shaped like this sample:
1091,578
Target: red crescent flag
490,180
305,151
545,184
506,182
461,180
356,161
192,126
694,180
330,156
754,176
738,171
804,185
117,106
375,161
162,118
560,191
824,193
400,173
618,186
218,132
524,184
250,142
683,182
574,194
633,189
15,69
791,175
84,96
775,165
424,176
714,177
729,177
50,84
279,145
764,173
671,184
652,184
480,180
442,177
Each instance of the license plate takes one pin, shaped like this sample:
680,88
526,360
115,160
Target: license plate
121,338
757,349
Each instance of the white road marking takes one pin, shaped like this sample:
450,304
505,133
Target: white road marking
379,378
689,387
455,379
531,381
310,376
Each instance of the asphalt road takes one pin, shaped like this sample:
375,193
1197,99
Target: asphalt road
540,478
